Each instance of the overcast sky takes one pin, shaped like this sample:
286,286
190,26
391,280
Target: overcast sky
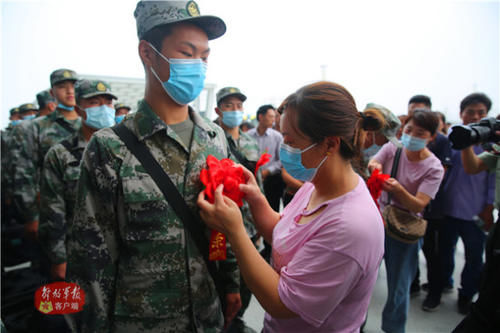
381,51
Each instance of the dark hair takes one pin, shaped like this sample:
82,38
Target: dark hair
421,99
426,119
325,109
156,35
262,111
475,98
442,116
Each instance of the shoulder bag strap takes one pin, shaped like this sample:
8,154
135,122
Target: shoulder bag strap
394,170
70,148
172,195
65,125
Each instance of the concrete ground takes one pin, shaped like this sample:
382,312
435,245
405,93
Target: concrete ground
445,319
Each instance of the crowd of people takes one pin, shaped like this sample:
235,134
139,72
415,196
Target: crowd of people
113,201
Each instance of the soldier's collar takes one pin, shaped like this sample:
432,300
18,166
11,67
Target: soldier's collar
147,122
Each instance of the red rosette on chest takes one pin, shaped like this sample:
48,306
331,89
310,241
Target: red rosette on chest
229,174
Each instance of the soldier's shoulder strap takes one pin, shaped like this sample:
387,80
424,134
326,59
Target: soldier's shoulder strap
70,147
169,190
239,156
65,125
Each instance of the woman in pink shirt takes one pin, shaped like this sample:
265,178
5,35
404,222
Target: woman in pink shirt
329,241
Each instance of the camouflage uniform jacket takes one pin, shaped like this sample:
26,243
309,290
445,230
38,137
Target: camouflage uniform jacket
6,180
41,134
248,147
127,248
60,173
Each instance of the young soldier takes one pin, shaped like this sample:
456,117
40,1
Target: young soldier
121,110
244,150
35,141
28,111
61,170
46,103
127,248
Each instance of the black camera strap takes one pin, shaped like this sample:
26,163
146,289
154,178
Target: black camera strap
169,190
394,170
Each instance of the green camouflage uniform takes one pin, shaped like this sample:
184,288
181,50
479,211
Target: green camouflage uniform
60,173
128,249
34,142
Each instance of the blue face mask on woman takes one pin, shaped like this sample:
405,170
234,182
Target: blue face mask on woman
413,143
232,119
291,158
187,78
371,151
100,116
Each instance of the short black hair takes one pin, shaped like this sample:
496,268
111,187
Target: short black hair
421,99
156,35
426,119
475,98
263,110
441,115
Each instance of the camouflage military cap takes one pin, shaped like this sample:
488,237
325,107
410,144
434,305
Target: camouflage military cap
121,106
63,74
230,91
44,97
90,88
27,107
14,111
392,122
153,13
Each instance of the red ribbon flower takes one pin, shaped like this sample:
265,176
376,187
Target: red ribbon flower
264,158
229,174
224,172
375,183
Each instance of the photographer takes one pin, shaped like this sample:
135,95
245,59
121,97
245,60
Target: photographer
484,315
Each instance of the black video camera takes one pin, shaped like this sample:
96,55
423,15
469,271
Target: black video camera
463,136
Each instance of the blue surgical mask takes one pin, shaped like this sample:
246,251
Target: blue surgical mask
119,118
291,159
32,116
413,143
371,151
100,116
232,119
187,78
15,122
64,107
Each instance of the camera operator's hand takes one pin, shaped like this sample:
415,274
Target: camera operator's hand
472,164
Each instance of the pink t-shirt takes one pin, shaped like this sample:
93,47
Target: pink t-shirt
423,176
328,267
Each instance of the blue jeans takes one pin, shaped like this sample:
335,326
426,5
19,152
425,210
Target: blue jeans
401,262
473,238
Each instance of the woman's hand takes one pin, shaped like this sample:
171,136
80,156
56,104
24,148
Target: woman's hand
223,215
373,164
251,189
391,185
